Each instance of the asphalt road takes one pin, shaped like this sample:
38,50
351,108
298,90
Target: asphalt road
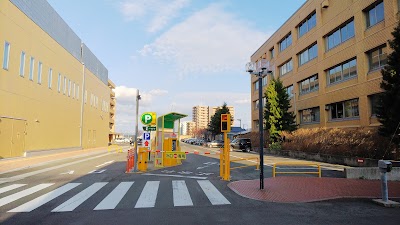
96,190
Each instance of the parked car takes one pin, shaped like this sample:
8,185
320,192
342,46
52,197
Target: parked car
243,144
216,144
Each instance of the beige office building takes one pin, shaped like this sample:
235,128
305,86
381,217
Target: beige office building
202,115
54,92
329,54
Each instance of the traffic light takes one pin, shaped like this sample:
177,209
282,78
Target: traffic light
225,122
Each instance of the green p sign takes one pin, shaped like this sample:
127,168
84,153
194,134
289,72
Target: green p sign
148,118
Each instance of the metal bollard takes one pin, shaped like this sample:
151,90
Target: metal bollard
385,167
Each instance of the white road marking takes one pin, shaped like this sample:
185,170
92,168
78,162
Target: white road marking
171,175
39,201
185,172
25,175
11,187
148,196
112,199
69,172
97,171
181,193
79,198
212,193
109,162
21,194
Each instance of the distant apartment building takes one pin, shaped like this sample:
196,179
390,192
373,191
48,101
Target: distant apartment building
112,135
329,54
187,128
202,115
54,92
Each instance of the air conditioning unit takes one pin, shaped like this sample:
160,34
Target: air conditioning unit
325,4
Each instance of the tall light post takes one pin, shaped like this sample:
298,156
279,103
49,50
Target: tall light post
240,120
260,72
136,131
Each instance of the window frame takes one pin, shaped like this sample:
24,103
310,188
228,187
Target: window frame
285,41
369,56
343,106
22,64
308,53
6,55
306,22
286,66
290,91
50,78
310,89
40,68
31,68
317,109
337,32
374,7
334,75
59,82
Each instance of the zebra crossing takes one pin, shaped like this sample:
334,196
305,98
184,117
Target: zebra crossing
148,197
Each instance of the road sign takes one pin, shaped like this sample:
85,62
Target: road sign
149,128
146,143
175,155
148,118
146,136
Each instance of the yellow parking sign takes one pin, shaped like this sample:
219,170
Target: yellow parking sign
175,155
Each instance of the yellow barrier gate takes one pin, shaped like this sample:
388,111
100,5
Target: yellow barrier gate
246,159
274,172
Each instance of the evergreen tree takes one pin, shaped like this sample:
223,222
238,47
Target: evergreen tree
276,115
389,100
215,123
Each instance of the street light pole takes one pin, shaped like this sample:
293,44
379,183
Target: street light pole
136,131
240,120
250,67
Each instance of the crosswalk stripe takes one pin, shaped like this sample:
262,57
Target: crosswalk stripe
11,187
212,193
21,194
112,199
181,193
39,201
79,198
147,198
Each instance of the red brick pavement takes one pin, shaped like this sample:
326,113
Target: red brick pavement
311,189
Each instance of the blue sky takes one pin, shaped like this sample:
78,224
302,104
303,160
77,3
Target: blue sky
178,53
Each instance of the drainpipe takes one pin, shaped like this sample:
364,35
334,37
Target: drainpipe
83,98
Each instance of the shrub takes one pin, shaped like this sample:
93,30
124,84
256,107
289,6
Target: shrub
357,142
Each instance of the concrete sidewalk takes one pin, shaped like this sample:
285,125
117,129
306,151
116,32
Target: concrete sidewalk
311,189
12,164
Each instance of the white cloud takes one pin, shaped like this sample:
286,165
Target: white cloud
209,41
159,12
126,105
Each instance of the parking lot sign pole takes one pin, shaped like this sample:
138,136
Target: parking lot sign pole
136,131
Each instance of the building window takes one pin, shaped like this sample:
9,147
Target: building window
309,23
31,68
22,64
310,115
309,85
289,91
256,86
286,42
69,88
73,90
377,58
343,71
65,85
375,14
256,104
286,68
59,83
340,35
264,80
374,100
272,53
85,96
6,55
346,109
308,54
50,78
40,65
77,91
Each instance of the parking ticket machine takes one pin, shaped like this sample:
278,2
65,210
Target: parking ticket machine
170,145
